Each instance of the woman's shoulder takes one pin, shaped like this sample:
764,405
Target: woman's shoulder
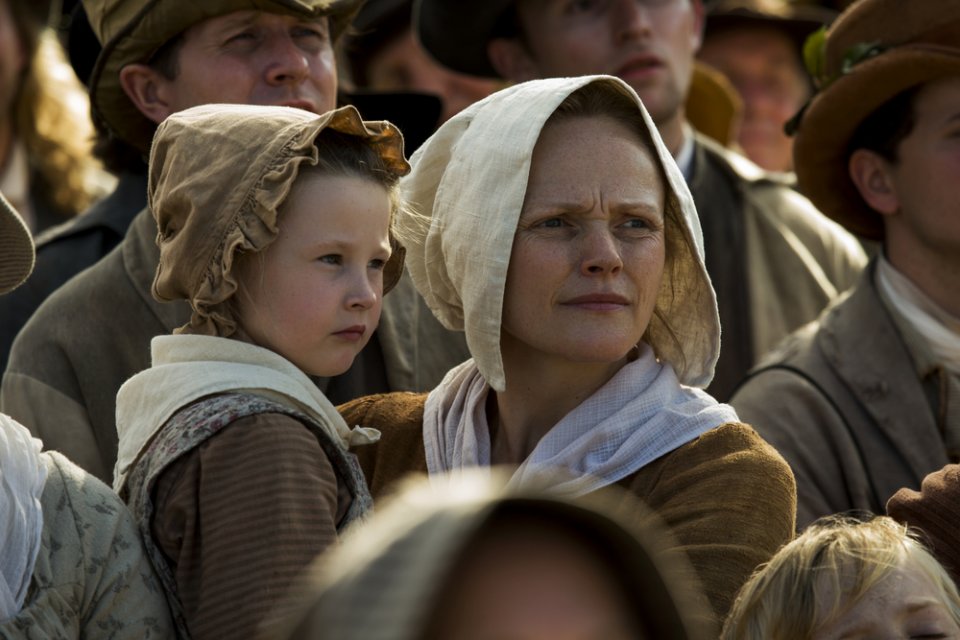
398,411
732,453
399,418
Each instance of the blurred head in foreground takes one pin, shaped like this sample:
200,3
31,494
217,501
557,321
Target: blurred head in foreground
475,560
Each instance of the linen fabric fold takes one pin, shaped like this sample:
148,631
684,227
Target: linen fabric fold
189,367
23,476
218,175
641,414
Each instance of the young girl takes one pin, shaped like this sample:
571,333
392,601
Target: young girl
275,224
848,580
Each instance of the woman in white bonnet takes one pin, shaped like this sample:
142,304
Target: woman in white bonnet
558,233
71,560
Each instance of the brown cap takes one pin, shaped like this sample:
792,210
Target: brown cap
218,174
874,51
131,31
934,510
16,248
456,33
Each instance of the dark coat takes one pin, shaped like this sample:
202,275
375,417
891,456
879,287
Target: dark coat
66,250
775,261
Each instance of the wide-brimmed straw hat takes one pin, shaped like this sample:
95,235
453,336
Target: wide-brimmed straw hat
873,52
16,248
797,21
132,31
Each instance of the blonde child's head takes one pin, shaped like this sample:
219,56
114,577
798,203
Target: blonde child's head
277,226
843,578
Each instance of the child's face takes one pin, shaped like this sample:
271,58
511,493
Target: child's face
905,604
314,295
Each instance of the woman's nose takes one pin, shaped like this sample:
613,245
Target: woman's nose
600,253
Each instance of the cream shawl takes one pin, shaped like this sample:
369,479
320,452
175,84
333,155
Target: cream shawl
23,476
189,367
639,415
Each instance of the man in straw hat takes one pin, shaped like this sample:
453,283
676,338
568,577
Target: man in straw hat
159,57
774,260
866,400
758,45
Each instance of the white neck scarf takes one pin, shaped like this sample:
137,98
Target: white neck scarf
940,329
22,478
189,367
642,413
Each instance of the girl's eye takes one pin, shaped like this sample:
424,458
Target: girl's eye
378,264
331,258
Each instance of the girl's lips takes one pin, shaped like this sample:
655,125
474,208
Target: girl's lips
355,332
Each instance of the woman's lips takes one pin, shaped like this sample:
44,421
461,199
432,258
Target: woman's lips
598,302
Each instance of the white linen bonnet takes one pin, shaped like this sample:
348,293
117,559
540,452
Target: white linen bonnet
467,186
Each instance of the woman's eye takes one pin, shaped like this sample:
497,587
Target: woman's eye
636,223
551,223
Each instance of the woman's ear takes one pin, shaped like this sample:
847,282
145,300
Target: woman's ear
873,177
146,89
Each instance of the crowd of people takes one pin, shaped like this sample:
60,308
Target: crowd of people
476,319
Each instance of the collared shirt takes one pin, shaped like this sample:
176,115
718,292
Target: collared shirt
685,155
941,383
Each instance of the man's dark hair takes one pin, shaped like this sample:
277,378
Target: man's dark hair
166,59
884,129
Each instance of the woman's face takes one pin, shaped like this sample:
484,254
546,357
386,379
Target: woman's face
905,604
589,250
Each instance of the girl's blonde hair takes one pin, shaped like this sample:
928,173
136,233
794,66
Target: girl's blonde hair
51,116
819,576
